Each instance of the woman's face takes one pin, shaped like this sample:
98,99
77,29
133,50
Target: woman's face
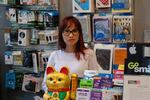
71,35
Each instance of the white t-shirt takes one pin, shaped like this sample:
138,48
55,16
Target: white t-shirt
61,58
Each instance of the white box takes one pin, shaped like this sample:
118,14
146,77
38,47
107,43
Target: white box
51,36
136,87
104,54
83,94
23,16
8,57
31,83
12,15
23,37
7,39
146,36
42,37
112,94
17,58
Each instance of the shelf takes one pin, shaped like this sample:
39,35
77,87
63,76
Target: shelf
22,69
17,25
32,25
34,7
40,47
22,34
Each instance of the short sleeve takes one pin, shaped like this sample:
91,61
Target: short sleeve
51,61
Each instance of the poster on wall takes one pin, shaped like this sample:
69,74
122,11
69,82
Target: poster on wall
123,29
136,87
122,6
103,3
102,28
86,26
83,6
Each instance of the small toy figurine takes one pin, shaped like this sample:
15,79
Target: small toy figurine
58,84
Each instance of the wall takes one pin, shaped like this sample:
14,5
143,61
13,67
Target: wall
142,18
65,8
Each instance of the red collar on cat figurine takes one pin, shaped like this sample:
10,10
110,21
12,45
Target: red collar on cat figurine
59,90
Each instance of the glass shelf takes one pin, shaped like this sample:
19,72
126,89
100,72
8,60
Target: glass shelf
17,25
34,7
32,25
39,47
22,69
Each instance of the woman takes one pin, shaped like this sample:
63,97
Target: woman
72,51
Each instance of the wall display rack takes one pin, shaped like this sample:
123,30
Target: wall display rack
112,28
30,37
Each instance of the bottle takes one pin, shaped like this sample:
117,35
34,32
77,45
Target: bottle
74,85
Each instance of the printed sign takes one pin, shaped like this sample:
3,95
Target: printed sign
137,66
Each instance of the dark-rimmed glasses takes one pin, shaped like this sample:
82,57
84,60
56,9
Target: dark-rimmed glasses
67,32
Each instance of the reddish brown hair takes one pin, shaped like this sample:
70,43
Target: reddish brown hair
80,47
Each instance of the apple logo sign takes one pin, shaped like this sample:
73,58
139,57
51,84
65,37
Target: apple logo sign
132,49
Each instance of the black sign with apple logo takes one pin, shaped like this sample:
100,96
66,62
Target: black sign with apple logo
134,50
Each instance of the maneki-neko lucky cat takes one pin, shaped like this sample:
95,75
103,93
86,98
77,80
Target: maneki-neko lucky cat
58,84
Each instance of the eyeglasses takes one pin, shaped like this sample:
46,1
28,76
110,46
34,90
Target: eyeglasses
67,32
